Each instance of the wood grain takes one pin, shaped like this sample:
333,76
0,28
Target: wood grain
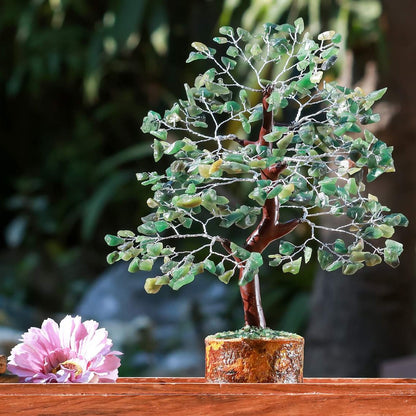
3,364
153,396
244,360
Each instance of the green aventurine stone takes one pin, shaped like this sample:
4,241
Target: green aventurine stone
225,277
351,186
240,252
307,252
373,233
161,226
325,258
286,248
395,220
392,252
113,240
154,249
113,257
328,186
182,281
188,201
292,267
134,265
146,265
157,150
350,268
339,246
151,286
209,265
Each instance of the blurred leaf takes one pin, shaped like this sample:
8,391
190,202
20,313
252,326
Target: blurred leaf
159,27
132,153
98,201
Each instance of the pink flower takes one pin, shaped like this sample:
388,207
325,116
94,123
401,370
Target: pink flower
71,352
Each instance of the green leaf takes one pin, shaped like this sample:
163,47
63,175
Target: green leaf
134,265
286,192
146,265
157,150
220,40
219,269
286,248
259,195
307,252
387,230
376,95
372,233
239,252
359,256
200,47
161,134
351,268
226,30
147,228
232,218
250,271
176,284
292,267
228,63
225,277
255,50
154,249
334,266
277,259
209,265
174,147
244,34
328,186
217,89
194,56
151,286
232,51
187,201
392,252
274,192
256,259
285,141
125,233
113,257
161,226
151,122
299,25
256,115
351,186
337,38
373,260
232,107
113,240
325,258
274,136
339,246
396,220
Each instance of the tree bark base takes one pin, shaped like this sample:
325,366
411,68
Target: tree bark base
246,360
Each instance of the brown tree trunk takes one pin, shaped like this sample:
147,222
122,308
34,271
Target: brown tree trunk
357,322
268,230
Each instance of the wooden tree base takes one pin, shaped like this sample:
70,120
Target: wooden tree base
243,360
182,397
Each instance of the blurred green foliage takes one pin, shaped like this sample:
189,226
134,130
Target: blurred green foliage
76,77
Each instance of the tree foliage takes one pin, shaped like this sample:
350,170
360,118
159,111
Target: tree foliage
322,151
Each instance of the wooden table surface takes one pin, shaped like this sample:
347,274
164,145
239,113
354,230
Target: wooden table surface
192,396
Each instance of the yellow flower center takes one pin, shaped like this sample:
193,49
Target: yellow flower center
69,365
